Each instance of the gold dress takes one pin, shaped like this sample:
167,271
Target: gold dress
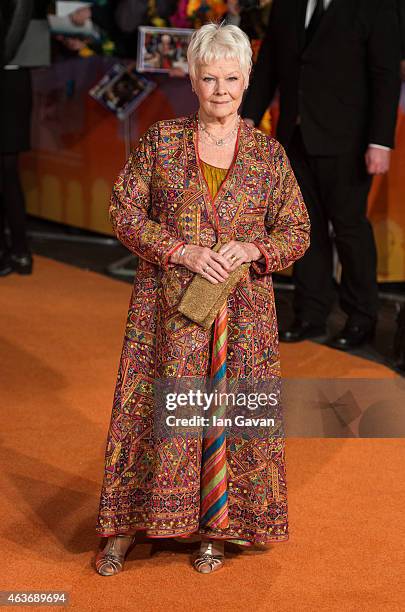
214,177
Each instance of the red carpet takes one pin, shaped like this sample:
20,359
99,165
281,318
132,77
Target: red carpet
61,335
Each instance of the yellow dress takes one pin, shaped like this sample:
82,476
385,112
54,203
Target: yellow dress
214,177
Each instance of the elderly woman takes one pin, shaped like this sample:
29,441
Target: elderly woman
190,184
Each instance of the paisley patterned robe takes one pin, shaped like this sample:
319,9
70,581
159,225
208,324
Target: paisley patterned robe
160,201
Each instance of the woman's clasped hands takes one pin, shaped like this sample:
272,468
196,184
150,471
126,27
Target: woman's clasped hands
216,266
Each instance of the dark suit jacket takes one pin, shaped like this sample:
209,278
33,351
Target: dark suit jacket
344,84
401,10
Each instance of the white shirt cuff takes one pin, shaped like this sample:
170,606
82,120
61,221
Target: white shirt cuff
377,146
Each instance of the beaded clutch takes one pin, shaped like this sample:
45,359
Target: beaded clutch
202,299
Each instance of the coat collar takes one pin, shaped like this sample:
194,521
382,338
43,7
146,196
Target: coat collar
225,198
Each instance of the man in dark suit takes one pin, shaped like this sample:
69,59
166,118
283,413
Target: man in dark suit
336,66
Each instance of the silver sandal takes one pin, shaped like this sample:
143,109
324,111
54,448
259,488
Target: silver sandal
109,562
207,562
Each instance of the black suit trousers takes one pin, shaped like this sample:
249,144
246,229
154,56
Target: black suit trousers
335,190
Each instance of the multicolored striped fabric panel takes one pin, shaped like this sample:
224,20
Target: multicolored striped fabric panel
214,494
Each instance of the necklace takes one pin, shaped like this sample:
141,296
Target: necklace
219,142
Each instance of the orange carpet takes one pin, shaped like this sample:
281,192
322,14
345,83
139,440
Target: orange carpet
61,335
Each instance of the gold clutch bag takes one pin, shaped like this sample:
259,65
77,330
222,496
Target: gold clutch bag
202,299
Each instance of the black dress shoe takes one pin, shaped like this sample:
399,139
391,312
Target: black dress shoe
301,330
22,264
352,336
5,264
9,262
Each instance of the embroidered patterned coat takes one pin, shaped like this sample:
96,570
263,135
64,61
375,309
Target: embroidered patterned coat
160,201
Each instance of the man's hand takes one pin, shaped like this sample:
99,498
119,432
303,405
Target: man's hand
377,160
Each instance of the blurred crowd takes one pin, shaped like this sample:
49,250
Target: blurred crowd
118,21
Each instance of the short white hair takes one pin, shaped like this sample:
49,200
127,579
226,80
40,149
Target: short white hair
215,41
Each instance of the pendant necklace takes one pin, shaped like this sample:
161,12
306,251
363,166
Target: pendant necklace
219,142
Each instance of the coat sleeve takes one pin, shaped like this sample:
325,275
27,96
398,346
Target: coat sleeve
384,55
130,205
287,222
401,12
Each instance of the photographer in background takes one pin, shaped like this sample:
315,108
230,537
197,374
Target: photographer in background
16,17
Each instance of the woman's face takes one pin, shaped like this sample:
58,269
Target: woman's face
219,87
